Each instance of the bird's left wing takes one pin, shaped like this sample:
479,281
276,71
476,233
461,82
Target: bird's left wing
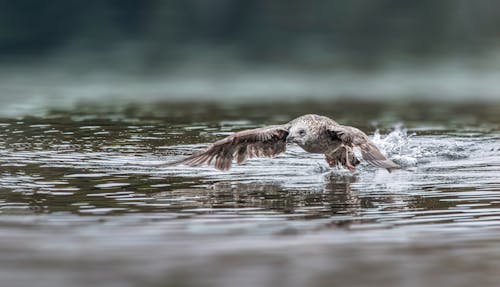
262,142
354,137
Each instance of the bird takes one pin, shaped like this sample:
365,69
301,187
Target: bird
313,133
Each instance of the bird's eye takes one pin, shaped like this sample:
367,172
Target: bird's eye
302,132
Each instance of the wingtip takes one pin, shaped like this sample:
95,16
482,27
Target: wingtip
393,168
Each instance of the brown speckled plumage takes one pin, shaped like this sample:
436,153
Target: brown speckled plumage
313,133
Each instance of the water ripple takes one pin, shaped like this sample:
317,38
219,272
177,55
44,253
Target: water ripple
95,188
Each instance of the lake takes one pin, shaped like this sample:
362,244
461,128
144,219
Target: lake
85,199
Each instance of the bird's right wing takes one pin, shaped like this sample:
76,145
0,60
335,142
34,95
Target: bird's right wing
354,137
261,142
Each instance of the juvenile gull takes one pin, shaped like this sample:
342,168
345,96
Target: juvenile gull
313,133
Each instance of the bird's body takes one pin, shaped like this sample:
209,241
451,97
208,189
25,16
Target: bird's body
313,133
317,141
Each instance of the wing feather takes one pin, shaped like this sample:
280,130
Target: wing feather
261,142
356,138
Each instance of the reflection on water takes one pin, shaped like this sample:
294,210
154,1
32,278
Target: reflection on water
85,200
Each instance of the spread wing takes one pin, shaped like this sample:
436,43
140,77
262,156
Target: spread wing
262,142
354,137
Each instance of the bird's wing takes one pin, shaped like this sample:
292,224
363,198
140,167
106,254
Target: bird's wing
262,142
354,137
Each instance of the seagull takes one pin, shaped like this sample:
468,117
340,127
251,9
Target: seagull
313,133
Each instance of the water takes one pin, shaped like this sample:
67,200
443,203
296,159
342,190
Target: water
85,201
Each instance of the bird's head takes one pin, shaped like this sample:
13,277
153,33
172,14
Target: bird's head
298,134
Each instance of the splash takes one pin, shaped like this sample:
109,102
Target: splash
398,146
409,150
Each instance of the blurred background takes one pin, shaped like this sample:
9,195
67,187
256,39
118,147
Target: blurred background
96,95
62,51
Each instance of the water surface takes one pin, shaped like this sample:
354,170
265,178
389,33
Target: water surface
85,199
